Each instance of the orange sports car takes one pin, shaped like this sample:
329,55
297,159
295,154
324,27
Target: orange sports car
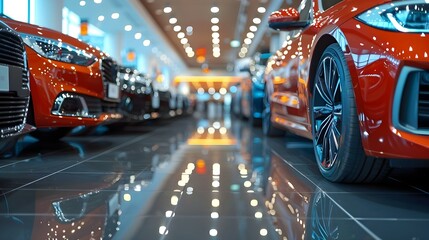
354,77
72,83
14,90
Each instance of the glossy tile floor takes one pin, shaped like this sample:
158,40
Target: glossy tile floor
197,177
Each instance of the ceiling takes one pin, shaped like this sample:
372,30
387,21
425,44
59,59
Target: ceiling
235,18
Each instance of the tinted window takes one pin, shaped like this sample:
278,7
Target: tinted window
329,3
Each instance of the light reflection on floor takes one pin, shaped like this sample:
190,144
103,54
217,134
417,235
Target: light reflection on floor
207,176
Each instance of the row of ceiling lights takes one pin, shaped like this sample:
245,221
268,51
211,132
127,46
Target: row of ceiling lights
137,35
215,32
181,34
115,16
251,34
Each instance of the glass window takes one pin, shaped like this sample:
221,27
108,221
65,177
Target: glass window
16,9
325,4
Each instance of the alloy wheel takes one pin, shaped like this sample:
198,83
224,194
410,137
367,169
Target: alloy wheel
327,113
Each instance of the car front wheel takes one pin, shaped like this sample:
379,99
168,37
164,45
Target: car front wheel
336,134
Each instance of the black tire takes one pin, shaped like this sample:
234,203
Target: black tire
336,135
267,126
51,134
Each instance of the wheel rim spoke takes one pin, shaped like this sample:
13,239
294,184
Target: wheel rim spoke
327,113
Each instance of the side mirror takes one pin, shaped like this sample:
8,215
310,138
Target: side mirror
286,20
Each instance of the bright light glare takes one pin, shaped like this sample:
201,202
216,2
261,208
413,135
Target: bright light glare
128,28
168,9
172,20
146,43
261,9
101,18
138,36
214,9
177,28
215,20
115,15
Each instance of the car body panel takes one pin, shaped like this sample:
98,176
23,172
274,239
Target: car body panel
375,59
49,78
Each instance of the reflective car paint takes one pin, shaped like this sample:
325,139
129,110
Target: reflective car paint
376,58
49,78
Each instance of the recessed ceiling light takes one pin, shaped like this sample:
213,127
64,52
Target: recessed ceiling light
250,35
248,41
115,15
253,28
215,28
214,9
188,49
82,3
216,49
146,42
256,20
191,54
261,10
101,18
168,9
172,20
215,20
138,36
216,54
234,43
244,50
97,1
215,35
128,28
216,45
181,35
177,28
184,41
215,41
189,30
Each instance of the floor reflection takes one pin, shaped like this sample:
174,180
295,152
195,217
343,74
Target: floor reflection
197,177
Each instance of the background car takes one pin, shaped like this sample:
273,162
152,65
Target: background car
251,89
14,90
137,93
72,83
349,79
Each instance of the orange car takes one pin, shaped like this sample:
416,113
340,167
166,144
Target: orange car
354,77
72,83
14,90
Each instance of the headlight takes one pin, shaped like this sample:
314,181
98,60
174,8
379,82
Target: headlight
406,16
57,50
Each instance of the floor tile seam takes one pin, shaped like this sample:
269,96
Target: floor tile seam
371,233
76,164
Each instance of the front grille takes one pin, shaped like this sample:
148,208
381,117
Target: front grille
13,111
423,108
12,53
110,107
109,71
414,105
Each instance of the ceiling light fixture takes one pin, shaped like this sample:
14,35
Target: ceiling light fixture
138,36
215,28
248,41
214,9
101,18
82,3
256,20
115,15
128,28
98,1
184,41
168,9
234,43
177,28
215,20
215,41
253,28
146,42
261,10
215,35
250,35
181,35
172,20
